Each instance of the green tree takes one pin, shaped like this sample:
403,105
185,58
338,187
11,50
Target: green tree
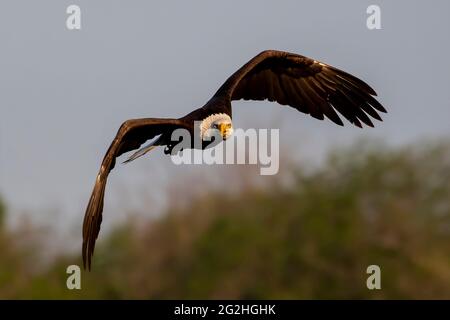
307,234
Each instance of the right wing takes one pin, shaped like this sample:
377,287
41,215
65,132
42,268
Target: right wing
131,135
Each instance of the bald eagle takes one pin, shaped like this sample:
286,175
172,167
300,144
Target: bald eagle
310,86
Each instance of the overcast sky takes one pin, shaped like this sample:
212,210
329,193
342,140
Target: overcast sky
63,94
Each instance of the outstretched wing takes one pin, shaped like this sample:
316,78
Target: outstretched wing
305,84
130,136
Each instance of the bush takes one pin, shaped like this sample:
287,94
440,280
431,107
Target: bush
313,237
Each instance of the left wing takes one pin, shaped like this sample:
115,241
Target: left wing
305,84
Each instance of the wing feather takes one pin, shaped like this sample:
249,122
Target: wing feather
130,136
307,85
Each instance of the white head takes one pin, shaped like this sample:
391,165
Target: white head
218,121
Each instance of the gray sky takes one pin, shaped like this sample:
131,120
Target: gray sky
63,94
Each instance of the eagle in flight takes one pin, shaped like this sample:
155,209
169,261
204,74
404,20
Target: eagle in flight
310,86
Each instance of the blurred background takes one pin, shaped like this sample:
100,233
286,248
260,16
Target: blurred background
344,198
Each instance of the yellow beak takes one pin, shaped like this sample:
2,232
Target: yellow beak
223,127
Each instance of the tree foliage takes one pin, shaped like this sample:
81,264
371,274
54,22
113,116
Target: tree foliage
311,238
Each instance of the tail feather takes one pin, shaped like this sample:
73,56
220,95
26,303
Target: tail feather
142,151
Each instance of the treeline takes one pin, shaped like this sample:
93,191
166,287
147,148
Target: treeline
306,235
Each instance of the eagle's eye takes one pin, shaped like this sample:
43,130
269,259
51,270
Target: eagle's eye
215,126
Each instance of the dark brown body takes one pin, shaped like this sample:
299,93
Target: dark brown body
310,86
